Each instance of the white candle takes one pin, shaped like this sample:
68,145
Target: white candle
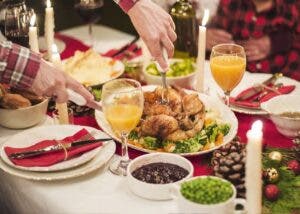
254,169
201,52
49,28
33,35
62,108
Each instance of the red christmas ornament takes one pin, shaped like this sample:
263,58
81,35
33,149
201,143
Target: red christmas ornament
294,166
271,192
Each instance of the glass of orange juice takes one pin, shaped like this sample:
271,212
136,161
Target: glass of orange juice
122,103
227,64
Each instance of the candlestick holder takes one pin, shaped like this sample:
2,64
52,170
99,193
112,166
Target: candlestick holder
57,120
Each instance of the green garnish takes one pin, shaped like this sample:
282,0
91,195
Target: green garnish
207,190
97,93
151,143
180,68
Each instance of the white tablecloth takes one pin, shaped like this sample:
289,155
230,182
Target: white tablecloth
98,192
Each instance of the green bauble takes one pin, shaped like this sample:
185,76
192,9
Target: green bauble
271,175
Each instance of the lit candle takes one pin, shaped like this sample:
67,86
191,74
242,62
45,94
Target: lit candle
62,108
33,35
254,168
201,52
49,28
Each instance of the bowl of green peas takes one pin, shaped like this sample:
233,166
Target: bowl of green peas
208,194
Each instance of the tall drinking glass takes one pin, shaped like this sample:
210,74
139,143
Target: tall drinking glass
122,102
16,24
90,13
227,64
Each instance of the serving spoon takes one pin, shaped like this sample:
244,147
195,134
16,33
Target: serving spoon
164,94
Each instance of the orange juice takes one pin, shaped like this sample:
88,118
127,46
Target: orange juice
123,117
227,71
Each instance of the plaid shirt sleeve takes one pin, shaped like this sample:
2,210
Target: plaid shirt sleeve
126,5
18,65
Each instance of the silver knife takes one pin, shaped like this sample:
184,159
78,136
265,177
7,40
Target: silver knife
53,148
259,88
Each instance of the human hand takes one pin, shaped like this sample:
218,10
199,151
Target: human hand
155,27
50,81
217,36
257,49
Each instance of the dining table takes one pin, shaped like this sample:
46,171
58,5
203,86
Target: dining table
101,191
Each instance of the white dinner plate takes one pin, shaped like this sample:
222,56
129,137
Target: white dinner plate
210,103
251,79
32,136
104,155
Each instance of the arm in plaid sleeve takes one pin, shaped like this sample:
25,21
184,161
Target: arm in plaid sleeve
126,5
18,65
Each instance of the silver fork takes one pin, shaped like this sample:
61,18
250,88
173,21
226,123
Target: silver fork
164,94
267,90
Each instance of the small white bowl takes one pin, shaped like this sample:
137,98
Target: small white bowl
24,117
287,126
156,191
227,207
186,81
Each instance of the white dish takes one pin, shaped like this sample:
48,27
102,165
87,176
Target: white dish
156,191
227,207
251,79
210,103
287,126
32,136
59,43
104,155
24,117
91,69
186,81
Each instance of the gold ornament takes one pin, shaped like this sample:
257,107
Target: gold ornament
272,175
275,156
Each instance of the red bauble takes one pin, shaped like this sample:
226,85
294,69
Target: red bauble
271,192
294,166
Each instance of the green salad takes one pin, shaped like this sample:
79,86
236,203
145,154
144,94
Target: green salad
210,136
178,68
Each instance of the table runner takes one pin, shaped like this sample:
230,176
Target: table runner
271,136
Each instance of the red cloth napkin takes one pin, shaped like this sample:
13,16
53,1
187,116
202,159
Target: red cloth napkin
253,103
131,52
49,159
72,45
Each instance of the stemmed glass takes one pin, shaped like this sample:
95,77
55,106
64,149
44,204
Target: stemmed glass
122,103
16,24
90,13
227,64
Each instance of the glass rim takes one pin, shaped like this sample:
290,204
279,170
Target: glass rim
137,83
227,44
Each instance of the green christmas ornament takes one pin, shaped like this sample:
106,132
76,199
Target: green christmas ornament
272,175
275,156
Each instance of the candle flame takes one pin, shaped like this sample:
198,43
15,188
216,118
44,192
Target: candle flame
48,3
54,49
257,126
205,17
32,20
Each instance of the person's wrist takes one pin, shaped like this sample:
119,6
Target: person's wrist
126,5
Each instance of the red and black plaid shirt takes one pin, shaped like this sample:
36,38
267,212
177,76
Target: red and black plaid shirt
18,65
281,23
